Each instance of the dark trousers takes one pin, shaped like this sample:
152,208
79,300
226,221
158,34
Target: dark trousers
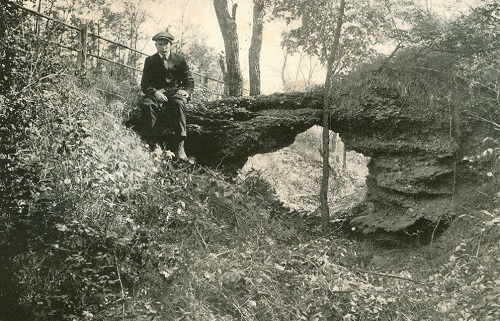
170,115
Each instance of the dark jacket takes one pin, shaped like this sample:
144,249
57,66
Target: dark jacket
155,76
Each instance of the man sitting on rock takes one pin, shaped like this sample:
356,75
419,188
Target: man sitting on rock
167,84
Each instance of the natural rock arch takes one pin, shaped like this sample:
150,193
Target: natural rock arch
415,173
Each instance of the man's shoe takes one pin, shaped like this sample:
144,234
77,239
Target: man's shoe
181,153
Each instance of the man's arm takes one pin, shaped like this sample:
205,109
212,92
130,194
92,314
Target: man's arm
146,80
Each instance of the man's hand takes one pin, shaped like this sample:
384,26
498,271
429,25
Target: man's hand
184,93
160,95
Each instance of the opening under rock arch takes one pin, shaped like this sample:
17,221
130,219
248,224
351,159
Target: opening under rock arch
295,173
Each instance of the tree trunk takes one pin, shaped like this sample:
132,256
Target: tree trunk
37,21
325,210
227,24
255,47
222,65
283,70
297,71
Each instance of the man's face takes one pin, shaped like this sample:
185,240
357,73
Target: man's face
163,46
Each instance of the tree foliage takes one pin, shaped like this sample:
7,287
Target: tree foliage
313,28
472,41
202,57
463,49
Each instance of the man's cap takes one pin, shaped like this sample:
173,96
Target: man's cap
163,36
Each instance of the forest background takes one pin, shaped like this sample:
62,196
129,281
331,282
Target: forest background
194,24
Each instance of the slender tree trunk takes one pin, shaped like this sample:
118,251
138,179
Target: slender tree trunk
297,71
183,31
227,24
131,37
255,47
344,157
222,65
311,72
325,210
283,70
37,21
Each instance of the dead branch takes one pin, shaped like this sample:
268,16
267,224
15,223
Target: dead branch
389,276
